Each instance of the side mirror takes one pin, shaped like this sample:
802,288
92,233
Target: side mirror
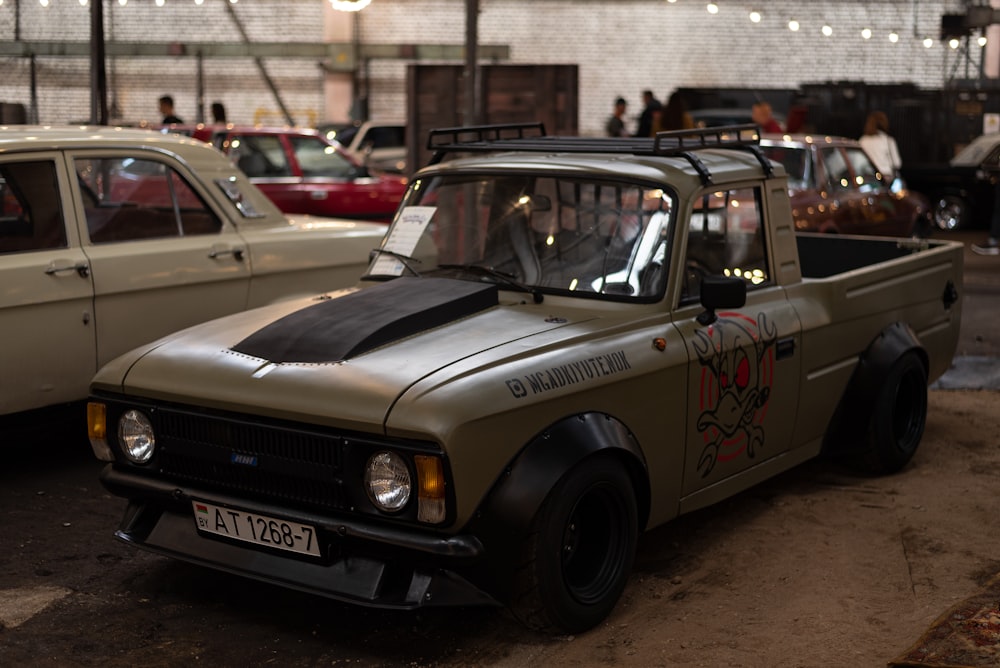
721,292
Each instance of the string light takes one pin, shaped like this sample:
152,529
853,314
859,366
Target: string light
928,42
827,31
754,16
894,37
712,8
866,33
793,25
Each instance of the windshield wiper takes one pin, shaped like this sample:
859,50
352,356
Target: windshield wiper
505,277
405,259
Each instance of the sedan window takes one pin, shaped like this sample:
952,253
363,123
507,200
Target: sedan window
129,198
866,177
30,211
837,172
318,158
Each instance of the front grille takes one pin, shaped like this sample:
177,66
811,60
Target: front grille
263,461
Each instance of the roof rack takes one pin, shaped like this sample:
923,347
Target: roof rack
532,137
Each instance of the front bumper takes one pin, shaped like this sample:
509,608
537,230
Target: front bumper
361,563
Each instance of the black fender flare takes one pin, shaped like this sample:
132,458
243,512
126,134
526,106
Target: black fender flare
854,411
504,518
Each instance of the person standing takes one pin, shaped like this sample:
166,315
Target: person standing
615,127
880,145
167,109
673,116
762,114
218,113
651,107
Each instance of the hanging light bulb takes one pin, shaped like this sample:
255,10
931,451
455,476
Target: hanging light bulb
953,43
122,2
793,25
928,42
894,37
160,3
981,41
199,2
43,3
83,3
827,30
754,16
712,8
349,5
866,33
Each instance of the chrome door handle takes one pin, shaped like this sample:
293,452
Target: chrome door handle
57,267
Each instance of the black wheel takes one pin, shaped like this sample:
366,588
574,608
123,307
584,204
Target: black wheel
898,418
577,558
951,212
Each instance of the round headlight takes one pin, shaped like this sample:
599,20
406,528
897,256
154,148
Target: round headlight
135,433
387,478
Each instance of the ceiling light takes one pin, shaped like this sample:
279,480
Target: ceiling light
793,25
981,41
928,42
866,33
953,43
712,8
755,17
894,37
827,30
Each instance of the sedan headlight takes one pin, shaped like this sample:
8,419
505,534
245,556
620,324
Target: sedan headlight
387,479
135,433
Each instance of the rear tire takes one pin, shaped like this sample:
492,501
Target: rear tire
898,418
578,555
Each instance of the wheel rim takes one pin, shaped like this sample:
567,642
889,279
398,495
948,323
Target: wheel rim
594,544
948,214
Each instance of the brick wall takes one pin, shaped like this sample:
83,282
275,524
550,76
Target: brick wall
621,46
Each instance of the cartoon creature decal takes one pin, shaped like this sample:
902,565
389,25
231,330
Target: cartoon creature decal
737,370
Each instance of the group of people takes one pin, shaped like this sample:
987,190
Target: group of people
170,117
674,115
655,116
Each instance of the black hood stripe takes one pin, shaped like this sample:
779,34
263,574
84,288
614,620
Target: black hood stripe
342,328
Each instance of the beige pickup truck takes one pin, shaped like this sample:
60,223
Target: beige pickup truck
562,342
111,238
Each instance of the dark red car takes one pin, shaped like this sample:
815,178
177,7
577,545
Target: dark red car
301,171
834,187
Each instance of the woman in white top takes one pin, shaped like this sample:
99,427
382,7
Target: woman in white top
880,146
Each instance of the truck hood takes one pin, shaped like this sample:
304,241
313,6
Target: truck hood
343,360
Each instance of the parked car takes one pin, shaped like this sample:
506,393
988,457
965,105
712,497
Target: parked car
111,238
835,188
304,172
962,192
562,342
378,145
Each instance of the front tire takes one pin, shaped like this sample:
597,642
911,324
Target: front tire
898,419
578,555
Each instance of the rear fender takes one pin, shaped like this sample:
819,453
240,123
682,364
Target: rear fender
504,519
847,429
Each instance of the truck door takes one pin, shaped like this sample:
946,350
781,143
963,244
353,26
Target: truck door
743,368
48,354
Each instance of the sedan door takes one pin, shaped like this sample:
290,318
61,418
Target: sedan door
46,295
162,257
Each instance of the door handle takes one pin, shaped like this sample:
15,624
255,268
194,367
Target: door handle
219,251
61,266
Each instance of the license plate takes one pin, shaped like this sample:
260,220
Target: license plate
257,529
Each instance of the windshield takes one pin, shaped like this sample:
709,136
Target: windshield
555,234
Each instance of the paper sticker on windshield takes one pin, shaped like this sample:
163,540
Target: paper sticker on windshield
403,238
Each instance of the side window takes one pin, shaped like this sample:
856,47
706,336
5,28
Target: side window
259,156
837,173
318,158
31,215
865,174
131,198
726,238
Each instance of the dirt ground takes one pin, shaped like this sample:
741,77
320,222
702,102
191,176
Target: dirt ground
816,567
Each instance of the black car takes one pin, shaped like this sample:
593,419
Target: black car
963,191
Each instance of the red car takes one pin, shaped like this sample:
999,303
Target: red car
303,172
835,188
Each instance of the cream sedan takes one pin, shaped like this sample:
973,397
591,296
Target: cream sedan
111,238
